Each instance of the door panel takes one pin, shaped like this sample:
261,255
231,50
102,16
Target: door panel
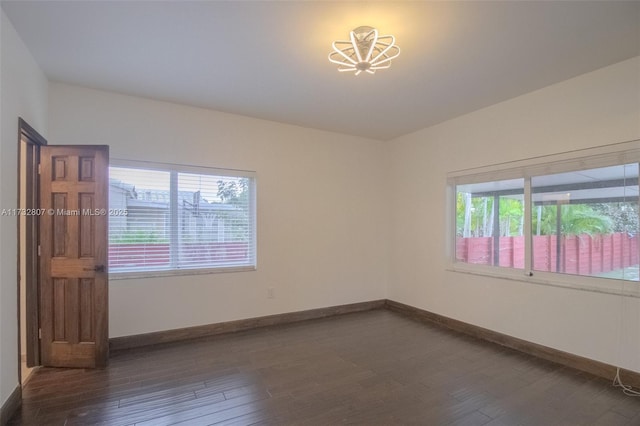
74,283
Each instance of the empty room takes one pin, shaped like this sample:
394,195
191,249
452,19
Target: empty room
319,212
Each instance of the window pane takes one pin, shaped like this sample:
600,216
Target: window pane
139,223
214,221
171,220
489,223
586,222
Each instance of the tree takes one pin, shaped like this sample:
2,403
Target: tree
474,217
511,217
575,219
623,215
235,193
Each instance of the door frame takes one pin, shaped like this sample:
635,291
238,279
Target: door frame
33,141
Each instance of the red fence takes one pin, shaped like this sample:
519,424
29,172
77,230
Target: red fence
579,254
138,255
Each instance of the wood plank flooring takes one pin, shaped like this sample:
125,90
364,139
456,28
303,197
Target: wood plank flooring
368,368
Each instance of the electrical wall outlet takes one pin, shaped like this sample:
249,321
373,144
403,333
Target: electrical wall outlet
271,293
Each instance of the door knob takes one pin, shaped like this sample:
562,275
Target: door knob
97,268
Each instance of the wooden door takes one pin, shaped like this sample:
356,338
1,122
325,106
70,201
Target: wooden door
73,256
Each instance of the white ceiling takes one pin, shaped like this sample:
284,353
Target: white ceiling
268,59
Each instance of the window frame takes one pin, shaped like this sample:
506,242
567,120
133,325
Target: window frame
584,159
175,170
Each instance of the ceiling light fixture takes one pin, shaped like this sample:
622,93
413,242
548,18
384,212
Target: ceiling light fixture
365,51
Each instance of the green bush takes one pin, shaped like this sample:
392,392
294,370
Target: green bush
138,237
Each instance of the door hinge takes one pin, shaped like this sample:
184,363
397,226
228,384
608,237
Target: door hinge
39,250
39,168
39,333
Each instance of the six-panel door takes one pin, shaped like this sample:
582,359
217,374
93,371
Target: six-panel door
73,256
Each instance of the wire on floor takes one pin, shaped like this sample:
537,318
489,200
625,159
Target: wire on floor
626,389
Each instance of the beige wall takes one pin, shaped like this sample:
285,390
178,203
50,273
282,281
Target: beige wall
23,92
322,223
602,107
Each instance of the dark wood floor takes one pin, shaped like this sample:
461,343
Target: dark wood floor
371,368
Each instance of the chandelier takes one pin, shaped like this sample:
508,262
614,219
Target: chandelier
365,51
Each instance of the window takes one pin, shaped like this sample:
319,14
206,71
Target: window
490,223
573,214
586,222
171,219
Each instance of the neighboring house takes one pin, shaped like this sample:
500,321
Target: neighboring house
119,193
147,218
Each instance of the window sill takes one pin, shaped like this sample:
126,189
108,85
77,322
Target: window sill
573,282
116,276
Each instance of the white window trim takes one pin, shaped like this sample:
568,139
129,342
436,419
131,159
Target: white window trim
603,156
182,168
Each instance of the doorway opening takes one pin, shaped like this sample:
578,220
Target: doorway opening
29,142
62,254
